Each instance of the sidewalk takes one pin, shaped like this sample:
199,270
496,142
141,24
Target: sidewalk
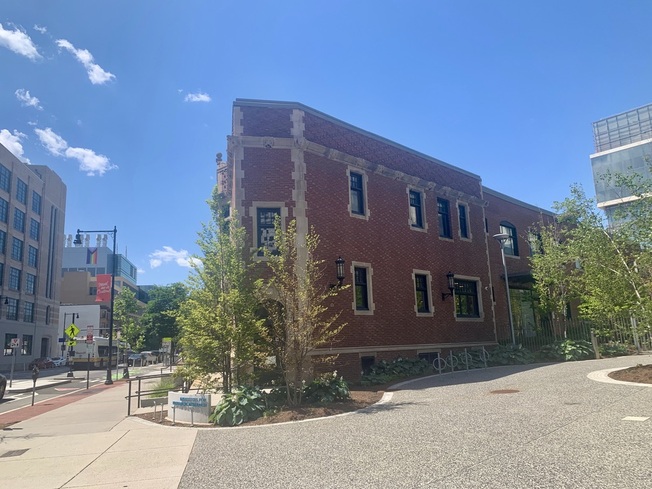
91,443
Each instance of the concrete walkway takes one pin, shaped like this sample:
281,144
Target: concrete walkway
90,443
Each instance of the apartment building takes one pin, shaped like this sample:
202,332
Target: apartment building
32,217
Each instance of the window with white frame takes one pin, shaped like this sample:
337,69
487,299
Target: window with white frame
362,288
417,214
422,293
511,244
357,193
467,298
444,213
463,218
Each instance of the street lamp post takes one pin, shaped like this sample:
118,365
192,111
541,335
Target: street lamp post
502,238
78,241
73,315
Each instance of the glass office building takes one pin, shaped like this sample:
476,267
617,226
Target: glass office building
623,145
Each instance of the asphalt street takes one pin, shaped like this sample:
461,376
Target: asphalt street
542,426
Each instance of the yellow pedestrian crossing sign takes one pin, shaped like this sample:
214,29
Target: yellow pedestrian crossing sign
71,342
72,330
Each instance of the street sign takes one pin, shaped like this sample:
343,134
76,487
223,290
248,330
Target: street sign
71,342
72,330
15,343
89,339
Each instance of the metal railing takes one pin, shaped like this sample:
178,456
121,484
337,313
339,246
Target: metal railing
139,392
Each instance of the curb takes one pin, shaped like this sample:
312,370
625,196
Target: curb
21,390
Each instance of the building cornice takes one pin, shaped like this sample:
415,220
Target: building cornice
268,142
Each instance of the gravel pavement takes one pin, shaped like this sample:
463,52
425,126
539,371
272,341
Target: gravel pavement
548,426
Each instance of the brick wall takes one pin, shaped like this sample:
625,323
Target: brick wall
385,239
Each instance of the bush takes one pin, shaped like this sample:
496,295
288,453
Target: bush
383,371
243,404
614,349
566,350
327,388
162,388
510,355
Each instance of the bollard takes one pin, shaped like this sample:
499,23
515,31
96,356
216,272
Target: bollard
154,416
174,415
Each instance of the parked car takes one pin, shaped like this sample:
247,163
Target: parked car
135,358
59,361
3,386
43,362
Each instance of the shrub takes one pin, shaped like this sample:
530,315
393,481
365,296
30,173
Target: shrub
383,371
510,355
240,405
566,350
613,349
327,388
162,388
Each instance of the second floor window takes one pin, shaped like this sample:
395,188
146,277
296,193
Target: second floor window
12,309
443,209
28,312
416,211
357,193
464,224
511,243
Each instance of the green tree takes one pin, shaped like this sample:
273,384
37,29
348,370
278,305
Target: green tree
298,299
220,332
159,319
126,318
607,267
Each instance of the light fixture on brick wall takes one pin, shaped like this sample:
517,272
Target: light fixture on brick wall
450,276
339,272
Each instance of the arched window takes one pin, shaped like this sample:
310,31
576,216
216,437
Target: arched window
511,244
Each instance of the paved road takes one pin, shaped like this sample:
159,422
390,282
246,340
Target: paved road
545,426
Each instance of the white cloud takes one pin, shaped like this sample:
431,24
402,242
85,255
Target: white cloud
54,143
169,254
96,74
40,29
12,141
89,161
18,42
27,100
197,97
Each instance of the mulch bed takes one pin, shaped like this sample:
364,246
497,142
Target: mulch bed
641,374
359,399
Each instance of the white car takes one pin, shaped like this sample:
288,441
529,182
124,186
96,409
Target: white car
59,361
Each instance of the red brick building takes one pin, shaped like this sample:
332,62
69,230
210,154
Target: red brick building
401,220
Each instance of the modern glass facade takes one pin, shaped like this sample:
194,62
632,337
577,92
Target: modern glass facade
623,145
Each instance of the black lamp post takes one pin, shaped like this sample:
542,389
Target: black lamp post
73,315
78,241
503,238
450,276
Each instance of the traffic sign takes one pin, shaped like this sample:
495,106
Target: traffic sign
15,343
71,342
72,330
89,339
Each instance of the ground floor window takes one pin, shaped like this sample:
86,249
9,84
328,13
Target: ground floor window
466,299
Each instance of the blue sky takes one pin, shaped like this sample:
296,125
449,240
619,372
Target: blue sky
130,101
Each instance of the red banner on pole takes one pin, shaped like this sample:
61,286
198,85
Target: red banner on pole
103,288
